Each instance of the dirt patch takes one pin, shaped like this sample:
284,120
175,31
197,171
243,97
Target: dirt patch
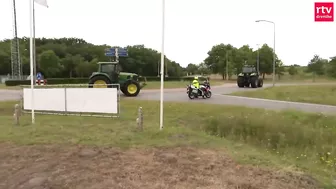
60,167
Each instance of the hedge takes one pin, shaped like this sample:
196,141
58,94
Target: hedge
58,81
50,81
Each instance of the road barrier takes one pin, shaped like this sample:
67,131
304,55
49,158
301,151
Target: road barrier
41,82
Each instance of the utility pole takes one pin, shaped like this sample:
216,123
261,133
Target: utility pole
227,66
34,44
166,69
15,52
158,68
258,59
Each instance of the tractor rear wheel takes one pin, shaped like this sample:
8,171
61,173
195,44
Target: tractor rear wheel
99,82
240,82
131,88
254,82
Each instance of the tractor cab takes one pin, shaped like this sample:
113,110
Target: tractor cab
111,69
107,67
248,70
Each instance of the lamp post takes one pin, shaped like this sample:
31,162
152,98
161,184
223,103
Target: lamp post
258,59
273,46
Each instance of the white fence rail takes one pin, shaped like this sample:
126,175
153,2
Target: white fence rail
73,100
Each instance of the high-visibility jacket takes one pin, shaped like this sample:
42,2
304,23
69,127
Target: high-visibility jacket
196,83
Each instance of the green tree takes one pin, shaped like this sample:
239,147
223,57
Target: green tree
75,55
70,62
5,64
317,65
49,63
266,60
292,70
279,69
203,69
192,69
218,57
332,67
221,55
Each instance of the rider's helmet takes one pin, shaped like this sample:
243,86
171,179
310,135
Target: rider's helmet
196,77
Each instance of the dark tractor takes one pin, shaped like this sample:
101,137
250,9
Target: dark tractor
108,73
249,77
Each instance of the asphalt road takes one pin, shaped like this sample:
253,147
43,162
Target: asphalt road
219,97
179,95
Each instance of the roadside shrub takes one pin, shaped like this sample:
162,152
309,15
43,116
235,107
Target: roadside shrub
51,81
300,134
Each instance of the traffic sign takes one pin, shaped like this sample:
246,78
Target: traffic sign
112,52
122,50
109,54
38,75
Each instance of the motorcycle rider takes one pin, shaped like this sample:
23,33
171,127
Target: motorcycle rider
196,84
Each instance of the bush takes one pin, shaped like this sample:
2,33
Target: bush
17,82
310,135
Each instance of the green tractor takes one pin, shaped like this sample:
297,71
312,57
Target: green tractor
249,77
108,73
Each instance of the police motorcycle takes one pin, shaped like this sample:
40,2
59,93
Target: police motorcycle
206,88
204,91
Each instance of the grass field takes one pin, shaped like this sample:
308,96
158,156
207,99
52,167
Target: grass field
319,94
195,149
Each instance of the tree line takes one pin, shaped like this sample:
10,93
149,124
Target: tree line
224,59
73,57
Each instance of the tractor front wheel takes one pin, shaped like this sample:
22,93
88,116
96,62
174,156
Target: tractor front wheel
131,88
99,82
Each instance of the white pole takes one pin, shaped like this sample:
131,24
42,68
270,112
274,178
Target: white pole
162,64
34,44
258,58
274,54
273,47
31,12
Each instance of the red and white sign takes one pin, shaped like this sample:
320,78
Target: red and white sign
324,11
41,82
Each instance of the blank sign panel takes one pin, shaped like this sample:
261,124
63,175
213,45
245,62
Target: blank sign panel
45,99
92,100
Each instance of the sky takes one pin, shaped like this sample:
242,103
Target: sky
192,26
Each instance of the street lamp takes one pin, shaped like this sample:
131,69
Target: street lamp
258,59
273,47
